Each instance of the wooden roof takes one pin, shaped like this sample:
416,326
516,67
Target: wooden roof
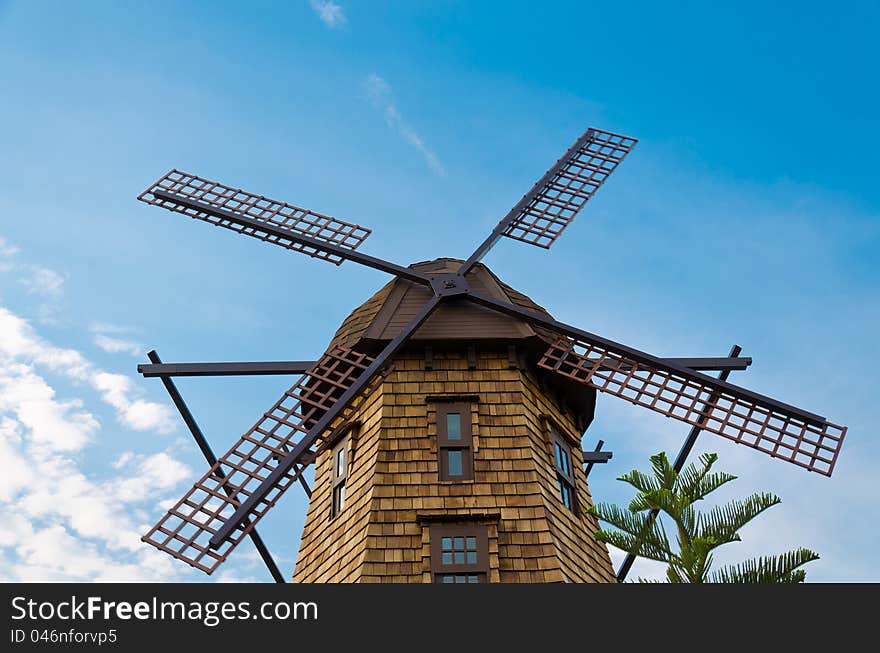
384,314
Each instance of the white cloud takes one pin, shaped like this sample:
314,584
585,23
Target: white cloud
61,523
138,414
146,476
106,327
42,281
64,521
118,345
230,576
17,474
62,425
330,13
19,342
380,94
7,248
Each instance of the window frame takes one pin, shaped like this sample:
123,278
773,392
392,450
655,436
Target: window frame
480,569
338,479
563,477
465,443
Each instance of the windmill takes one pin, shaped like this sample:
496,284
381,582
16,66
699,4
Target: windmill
551,368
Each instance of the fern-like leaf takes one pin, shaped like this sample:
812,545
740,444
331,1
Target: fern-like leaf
663,471
696,482
640,481
643,531
722,523
645,547
771,569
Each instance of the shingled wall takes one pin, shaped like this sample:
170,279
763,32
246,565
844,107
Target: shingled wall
395,495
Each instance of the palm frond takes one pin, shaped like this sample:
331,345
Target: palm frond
661,499
663,471
709,484
696,560
640,526
722,523
690,476
688,517
771,569
640,481
674,573
698,534
645,547
696,482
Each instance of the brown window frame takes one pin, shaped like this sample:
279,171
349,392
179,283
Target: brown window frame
564,478
338,481
479,569
463,444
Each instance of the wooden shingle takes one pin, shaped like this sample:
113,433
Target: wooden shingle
395,491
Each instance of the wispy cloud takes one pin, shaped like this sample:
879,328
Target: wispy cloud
42,281
109,338
106,327
7,248
381,97
36,280
118,345
330,13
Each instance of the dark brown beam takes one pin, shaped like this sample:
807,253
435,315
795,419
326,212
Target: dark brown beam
281,232
678,465
713,364
595,456
706,364
208,453
225,369
289,460
660,363
512,215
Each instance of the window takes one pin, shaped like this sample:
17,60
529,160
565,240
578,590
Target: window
460,554
564,474
455,442
339,476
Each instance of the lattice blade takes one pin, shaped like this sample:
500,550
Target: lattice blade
739,418
187,527
544,212
215,195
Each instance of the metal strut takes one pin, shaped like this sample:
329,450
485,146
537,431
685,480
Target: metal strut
208,453
678,465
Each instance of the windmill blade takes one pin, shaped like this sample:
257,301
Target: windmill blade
726,411
543,213
253,502
185,531
196,197
549,207
275,222
761,422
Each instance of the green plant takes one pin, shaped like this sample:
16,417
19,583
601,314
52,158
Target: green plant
698,533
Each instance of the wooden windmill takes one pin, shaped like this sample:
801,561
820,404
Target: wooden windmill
445,419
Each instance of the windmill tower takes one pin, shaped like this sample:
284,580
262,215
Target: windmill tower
445,419
464,464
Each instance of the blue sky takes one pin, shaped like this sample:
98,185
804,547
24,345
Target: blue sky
748,213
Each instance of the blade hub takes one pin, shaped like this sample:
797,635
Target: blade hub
449,285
